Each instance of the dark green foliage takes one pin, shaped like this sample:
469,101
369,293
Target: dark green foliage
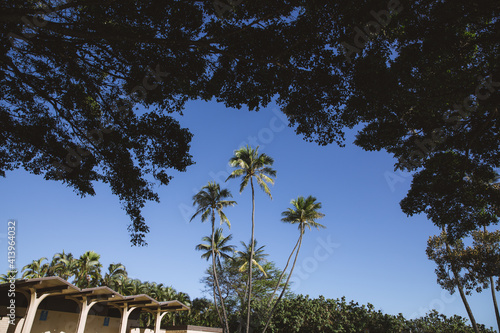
296,313
423,81
483,260
454,191
233,280
305,315
203,313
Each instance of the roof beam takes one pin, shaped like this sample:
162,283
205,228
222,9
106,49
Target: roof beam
79,293
49,289
174,307
130,302
21,284
100,297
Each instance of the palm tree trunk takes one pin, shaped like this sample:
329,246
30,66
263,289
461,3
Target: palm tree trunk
213,269
287,281
226,321
251,259
243,302
282,274
216,280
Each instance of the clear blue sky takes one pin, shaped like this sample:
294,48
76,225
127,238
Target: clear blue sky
370,251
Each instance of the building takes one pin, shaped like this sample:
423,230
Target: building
52,304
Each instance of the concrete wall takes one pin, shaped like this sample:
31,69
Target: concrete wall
64,322
5,326
185,329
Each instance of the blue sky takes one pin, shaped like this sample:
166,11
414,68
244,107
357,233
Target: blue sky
369,252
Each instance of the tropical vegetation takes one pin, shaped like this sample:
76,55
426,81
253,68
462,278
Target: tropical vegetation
295,313
86,272
243,282
209,201
251,165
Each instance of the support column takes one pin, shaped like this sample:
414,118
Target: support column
20,323
126,312
84,314
159,317
32,308
19,326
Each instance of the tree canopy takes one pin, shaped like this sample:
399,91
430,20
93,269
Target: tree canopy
420,76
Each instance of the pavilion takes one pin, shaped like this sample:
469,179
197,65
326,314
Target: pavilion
52,304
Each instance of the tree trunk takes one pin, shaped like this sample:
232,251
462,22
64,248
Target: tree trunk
492,284
282,274
287,281
251,259
214,273
461,290
224,313
242,310
467,307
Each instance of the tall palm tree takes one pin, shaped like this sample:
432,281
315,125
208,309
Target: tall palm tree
221,249
88,270
112,277
251,165
211,200
63,265
35,269
304,213
242,259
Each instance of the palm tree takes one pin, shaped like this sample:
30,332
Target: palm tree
243,258
124,286
221,249
112,277
211,200
4,278
88,270
35,269
63,265
258,256
304,213
251,165
137,287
